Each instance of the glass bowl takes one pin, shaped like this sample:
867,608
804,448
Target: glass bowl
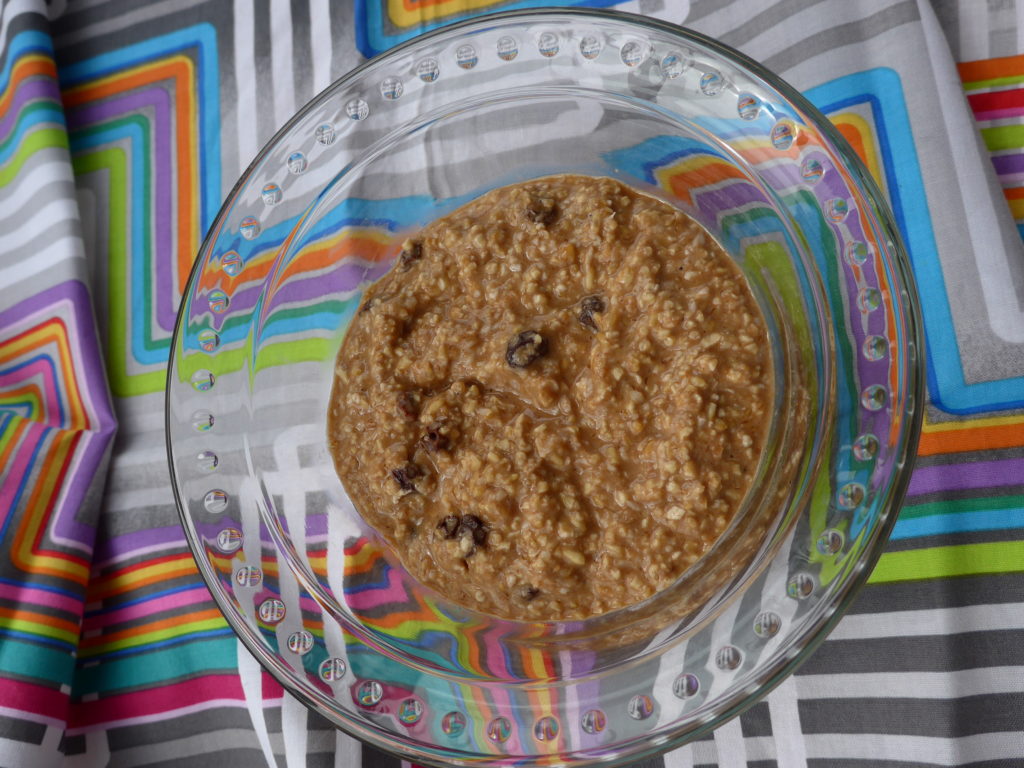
317,596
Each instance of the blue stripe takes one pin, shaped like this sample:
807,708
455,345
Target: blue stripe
24,43
960,522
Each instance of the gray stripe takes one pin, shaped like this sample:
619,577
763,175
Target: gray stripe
953,718
940,593
851,33
373,758
229,719
302,61
19,218
924,653
872,763
756,721
701,8
954,539
265,120
120,20
965,493
231,750
771,17
48,233
17,729
970,457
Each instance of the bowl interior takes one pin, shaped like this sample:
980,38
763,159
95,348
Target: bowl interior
310,587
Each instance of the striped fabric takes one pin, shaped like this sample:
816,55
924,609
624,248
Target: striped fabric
122,127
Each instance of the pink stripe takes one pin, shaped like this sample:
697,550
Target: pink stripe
998,114
40,369
147,608
33,434
42,597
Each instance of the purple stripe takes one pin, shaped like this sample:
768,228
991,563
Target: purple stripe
974,475
344,276
159,100
37,88
1005,164
92,385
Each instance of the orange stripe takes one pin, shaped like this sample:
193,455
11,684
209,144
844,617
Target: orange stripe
180,70
26,551
142,574
25,68
29,389
20,425
53,330
39,618
1014,193
974,439
150,626
989,69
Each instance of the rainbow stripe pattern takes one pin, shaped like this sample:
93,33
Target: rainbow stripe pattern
995,91
116,636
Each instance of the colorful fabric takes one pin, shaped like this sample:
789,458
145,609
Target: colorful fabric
123,126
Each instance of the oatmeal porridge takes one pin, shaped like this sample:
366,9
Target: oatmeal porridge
556,401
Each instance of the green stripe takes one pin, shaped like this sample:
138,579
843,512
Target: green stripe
156,636
32,106
114,162
1003,137
203,656
955,506
994,82
144,196
29,627
37,140
946,562
34,660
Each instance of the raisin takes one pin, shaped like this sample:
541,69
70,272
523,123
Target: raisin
367,305
412,250
465,526
450,526
471,525
435,440
588,308
525,348
408,405
527,593
542,210
404,476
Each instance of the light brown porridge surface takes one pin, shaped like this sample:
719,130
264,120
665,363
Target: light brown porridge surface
555,402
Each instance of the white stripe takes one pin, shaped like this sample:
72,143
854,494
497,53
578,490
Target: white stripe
15,8
65,249
1019,11
294,730
915,685
348,753
96,754
245,82
680,758
973,32
320,43
28,184
729,744
41,220
915,749
251,675
790,746
281,62
933,621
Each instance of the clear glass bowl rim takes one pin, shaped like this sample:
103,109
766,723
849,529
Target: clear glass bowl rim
904,453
